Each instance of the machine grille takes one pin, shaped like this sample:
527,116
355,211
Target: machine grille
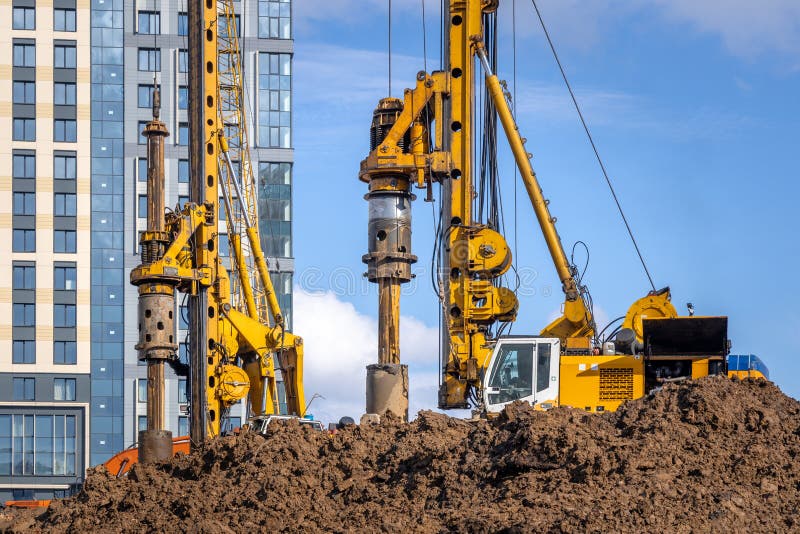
616,384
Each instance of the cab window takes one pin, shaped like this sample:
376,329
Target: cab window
512,376
542,366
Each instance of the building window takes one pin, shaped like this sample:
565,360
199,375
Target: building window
223,209
274,205
24,18
50,439
24,93
23,314
183,171
65,353
24,277
64,167
182,396
274,19
64,94
274,93
223,27
183,24
149,22
23,240
282,282
64,20
223,246
233,422
183,352
24,129
142,390
24,203
183,320
183,426
64,241
65,57
142,422
65,204
64,315
142,137
150,59
183,61
145,96
64,389
142,206
24,166
24,389
183,97
65,130
24,55
183,134
64,277
141,170
23,351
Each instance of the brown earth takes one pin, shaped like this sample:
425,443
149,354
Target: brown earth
711,455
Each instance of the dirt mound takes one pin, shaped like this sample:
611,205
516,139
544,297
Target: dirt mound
710,455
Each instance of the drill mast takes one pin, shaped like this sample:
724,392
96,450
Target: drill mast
432,139
238,339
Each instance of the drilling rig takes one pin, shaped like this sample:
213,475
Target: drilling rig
239,343
429,139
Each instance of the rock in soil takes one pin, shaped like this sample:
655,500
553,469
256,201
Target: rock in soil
712,455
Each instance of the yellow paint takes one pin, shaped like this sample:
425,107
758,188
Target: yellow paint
600,383
240,327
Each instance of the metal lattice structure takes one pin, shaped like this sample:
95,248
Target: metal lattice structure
233,117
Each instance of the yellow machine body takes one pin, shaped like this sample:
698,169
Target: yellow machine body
600,383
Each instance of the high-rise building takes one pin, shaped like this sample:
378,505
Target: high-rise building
81,81
45,255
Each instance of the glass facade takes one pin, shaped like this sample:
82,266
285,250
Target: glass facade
107,238
274,100
275,223
38,445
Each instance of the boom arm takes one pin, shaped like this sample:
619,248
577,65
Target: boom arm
576,320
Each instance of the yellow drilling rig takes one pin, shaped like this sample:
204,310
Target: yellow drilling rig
430,139
238,341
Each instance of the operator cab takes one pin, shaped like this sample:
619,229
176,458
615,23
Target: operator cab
525,369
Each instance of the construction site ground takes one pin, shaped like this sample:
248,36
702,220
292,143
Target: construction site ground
709,455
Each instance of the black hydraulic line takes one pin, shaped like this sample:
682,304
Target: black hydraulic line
594,147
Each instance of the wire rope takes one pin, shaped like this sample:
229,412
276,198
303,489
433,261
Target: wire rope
594,146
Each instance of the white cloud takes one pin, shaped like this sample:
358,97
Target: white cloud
748,29
337,88
339,342
538,101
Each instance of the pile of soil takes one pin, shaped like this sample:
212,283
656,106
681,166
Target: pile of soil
708,455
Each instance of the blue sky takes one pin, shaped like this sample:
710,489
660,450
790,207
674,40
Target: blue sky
694,107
